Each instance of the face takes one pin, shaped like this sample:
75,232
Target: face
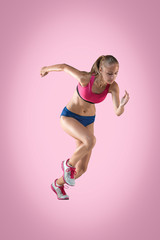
109,72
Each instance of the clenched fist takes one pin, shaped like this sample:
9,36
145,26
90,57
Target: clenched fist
44,71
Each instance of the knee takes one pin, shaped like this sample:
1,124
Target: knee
90,142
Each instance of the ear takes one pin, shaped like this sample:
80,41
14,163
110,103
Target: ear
100,69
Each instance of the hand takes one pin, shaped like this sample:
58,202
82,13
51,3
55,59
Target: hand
44,71
124,99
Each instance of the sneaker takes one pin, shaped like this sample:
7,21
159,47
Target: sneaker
61,194
68,173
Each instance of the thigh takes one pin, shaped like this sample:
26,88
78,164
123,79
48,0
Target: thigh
75,129
83,162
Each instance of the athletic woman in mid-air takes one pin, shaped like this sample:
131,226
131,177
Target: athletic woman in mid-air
78,116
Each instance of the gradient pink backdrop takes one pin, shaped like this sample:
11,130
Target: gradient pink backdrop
118,197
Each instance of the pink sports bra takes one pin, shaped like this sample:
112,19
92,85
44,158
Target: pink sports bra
87,95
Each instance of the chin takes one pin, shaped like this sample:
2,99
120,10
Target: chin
110,82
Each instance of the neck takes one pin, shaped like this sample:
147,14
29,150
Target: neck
99,81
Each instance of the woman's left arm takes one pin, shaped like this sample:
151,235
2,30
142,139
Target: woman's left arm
118,105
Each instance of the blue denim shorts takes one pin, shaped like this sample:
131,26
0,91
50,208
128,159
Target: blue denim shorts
85,120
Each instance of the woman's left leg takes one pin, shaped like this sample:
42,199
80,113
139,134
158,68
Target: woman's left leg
82,164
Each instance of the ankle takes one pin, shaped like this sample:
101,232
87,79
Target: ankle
58,184
71,165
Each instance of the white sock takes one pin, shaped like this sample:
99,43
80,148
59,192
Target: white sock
58,184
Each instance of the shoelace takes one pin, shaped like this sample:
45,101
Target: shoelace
72,170
62,189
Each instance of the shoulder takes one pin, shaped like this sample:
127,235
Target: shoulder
79,75
86,77
114,87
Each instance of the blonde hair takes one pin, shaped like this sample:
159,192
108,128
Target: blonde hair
100,61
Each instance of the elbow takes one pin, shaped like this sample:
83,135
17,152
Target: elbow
119,113
63,66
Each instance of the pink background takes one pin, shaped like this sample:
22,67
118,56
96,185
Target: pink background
118,197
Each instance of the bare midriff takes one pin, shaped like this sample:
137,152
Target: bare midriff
81,107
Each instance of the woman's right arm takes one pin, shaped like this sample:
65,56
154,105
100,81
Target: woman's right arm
45,70
57,67
81,76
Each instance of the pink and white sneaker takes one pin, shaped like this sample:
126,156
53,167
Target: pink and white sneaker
59,190
68,173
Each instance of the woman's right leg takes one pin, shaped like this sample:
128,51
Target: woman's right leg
75,129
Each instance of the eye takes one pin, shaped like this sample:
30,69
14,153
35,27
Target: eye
112,73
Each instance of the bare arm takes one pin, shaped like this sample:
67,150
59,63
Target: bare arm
115,98
118,105
57,67
77,74
45,70
81,76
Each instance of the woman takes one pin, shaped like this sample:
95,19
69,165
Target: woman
78,116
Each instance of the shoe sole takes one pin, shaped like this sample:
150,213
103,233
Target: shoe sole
63,174
57,195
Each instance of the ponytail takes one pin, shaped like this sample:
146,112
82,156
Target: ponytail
96,65
99,62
